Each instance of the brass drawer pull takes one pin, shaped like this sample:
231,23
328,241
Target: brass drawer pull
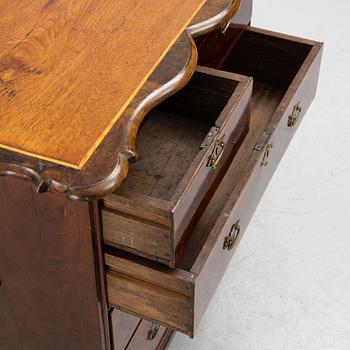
153,331
265,159
293,118
216,154
231,239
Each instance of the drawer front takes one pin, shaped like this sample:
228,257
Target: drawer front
199,188
123,328
157,228
147,336
178,298
127,232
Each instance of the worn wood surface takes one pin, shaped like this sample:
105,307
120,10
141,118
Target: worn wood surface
133,333
123,328
98,177
48,290
214,14
63,83
143,340
172,172
239,193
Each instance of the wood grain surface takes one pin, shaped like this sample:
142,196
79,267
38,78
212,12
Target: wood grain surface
214,13
68,69
49,297
285,70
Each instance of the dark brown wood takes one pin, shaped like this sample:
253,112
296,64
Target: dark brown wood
172,177
135,284
141,338
214,14
133,333
48,293
123,328
97,241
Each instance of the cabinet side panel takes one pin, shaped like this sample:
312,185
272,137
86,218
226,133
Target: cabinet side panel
48,295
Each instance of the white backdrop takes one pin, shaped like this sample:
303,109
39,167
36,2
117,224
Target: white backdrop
288,286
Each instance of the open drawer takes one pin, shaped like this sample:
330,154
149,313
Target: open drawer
185,146
285,71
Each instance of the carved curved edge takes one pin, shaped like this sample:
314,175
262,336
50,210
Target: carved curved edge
108,166
213,15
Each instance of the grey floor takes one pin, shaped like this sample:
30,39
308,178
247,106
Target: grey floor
288,286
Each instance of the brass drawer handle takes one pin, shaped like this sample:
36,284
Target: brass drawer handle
293,118
265,159
231,239
216,154
152,332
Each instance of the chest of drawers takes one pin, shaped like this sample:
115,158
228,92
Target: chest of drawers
117,235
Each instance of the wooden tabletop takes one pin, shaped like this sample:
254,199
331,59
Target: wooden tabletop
69,68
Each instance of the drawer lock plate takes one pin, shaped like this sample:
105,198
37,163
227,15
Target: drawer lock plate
293,118
231,239
216,154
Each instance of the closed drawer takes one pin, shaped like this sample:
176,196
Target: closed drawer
123,328
285,70
131,332
166,190
148,336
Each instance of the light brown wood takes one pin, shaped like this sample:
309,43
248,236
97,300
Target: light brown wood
70,72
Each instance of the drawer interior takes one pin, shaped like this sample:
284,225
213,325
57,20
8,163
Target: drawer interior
178,297
272,61
171,136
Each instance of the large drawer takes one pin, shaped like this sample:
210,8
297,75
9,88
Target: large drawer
285,70
185,147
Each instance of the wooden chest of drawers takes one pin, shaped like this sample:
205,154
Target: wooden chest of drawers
128,246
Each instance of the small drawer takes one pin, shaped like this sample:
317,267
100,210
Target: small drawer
285,70
185,147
